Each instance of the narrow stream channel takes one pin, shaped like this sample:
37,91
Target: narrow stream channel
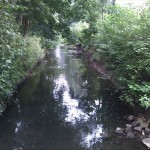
66,105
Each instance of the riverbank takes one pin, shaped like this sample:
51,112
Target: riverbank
138,124
137,127
100,68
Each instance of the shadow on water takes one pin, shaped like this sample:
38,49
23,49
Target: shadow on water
66,105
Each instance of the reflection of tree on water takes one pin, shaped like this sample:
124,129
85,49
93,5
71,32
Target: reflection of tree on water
89,104
76,116
74,75
82,98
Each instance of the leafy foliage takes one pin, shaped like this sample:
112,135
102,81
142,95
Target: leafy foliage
123,44
17,54
27,31
119,38
42,17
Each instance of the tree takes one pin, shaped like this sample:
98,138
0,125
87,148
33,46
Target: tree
39,16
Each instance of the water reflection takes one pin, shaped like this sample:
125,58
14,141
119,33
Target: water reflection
95,135
76,116
64,107
60,57
18,126
57,53
74,113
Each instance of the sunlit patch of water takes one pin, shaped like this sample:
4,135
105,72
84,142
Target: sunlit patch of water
18,126
57,52
98,103
60,57
95,135
74,113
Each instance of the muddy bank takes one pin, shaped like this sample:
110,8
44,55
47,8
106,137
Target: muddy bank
89,56
99,67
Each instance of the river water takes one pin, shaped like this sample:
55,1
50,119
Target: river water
65,105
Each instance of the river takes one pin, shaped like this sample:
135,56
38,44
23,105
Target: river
65,105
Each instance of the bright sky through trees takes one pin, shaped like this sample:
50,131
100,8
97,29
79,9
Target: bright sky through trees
132,2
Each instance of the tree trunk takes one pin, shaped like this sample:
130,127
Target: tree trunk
25,25
26,28
113,2
21,19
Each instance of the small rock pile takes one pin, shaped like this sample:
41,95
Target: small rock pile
138,128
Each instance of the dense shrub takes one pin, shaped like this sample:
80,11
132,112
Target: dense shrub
48,44
34,52
123,43
17,54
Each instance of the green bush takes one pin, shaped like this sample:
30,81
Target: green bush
12,48
17,54
34,51
48,44
123,43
